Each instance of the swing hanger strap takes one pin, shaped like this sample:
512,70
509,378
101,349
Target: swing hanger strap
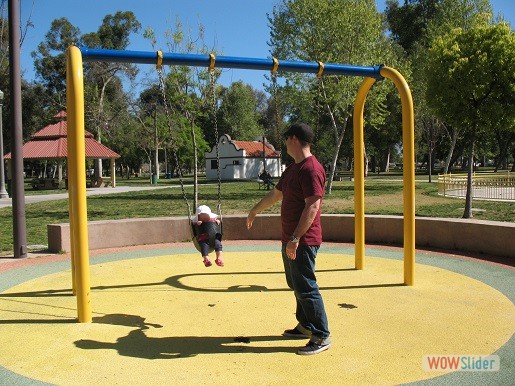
275,66
320,69
159,63
212,60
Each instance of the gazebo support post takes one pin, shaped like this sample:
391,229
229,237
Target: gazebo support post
60,171
113,174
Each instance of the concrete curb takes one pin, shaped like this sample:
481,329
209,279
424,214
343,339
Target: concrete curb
471,236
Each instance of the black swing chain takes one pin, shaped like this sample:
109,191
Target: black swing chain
319,101
174,144
276,107
212,79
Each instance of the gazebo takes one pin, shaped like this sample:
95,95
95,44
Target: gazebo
50,143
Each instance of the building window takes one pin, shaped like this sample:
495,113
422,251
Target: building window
214,164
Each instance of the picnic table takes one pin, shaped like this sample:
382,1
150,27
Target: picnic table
45,183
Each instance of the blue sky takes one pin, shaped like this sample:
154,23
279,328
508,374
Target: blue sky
235,27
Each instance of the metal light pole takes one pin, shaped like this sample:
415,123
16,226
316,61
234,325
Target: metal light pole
264,155
3,192
18,191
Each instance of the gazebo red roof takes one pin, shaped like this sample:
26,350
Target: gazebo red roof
51,143
58,148
55,130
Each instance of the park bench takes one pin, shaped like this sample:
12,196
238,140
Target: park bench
45,183
98,182
263,184
343,175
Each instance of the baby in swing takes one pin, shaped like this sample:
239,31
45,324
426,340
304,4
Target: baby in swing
204,214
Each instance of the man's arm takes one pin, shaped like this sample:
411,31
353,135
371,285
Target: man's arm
266,202
311,207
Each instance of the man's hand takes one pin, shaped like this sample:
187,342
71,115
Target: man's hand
266,202
250,219
291,250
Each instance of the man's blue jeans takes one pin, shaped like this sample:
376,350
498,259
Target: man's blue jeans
300,277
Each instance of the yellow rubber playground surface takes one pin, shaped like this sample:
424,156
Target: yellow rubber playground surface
161,318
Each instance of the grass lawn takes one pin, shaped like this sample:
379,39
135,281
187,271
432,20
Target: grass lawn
382,196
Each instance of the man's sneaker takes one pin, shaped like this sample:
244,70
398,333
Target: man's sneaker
313,348
296,333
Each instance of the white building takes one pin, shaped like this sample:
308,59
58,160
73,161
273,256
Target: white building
242,160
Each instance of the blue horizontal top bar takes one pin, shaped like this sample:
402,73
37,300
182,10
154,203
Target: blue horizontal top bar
150,57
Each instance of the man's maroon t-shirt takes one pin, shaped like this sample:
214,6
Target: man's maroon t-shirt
298,182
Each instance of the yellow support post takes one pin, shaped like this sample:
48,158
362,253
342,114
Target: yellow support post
408,144
359,174
71,193
77,190
72,244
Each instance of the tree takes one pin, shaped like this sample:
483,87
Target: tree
104,88
50,60
334,31
127,141
271,113
35,113
185,99
415,25
471,84
238,112
408,23
4,40
105,99
384,137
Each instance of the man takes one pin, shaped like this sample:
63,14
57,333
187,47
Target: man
267,179
301,188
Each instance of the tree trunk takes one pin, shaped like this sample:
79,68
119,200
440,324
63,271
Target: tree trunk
468,198
504,144
365,159
430,163
338,139
453,137
98,164
150,167
335,158
386,161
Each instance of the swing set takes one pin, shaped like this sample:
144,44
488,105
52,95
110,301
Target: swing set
76,147
212,229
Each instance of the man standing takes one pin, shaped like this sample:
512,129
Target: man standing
301,189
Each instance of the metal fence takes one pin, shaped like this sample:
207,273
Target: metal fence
485,186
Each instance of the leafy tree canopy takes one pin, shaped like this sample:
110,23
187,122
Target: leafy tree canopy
472,76
238,112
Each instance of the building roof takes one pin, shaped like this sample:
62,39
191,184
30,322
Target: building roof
55,130
51,143
255,149
58,148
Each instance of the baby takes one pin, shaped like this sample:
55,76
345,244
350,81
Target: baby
204,214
